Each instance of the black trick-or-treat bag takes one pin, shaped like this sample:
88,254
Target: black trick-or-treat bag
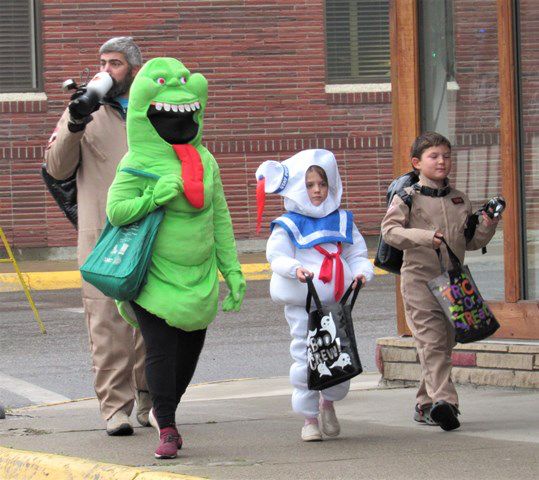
461,302
332,356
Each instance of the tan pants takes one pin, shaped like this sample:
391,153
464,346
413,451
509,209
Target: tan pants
434,338
117,351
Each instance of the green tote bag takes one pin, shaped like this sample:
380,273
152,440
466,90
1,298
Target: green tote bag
118,264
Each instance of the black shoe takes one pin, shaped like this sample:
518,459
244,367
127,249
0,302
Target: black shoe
445,415
422,414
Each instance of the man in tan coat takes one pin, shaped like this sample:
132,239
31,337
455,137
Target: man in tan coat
437,210
93,145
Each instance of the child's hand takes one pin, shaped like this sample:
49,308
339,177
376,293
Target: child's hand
302,274
489,222
437,240
359,278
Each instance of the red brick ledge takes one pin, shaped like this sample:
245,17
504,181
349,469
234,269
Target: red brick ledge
504,363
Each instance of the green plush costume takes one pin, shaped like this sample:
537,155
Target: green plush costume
195,239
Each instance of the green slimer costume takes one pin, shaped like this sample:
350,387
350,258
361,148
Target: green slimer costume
195,239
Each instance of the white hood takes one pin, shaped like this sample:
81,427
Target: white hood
287,178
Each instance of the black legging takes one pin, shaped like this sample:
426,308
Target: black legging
171,358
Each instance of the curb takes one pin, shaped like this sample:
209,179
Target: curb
19,464
63,280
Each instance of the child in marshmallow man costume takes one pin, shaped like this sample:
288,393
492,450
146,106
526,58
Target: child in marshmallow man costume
310,240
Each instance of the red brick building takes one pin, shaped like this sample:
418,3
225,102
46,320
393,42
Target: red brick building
285,76
266,66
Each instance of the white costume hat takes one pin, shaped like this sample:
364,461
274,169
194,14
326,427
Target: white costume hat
287,178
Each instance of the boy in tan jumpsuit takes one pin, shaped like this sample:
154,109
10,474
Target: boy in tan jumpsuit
437,210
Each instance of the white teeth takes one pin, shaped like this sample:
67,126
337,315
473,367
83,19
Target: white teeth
188,107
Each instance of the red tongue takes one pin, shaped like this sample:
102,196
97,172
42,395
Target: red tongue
192,174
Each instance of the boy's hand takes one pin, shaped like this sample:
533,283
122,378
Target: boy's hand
437,240
359,278
489,222
302,274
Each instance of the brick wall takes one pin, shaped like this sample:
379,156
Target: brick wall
266,69
267,101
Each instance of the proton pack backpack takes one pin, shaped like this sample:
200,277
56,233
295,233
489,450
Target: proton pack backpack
387,257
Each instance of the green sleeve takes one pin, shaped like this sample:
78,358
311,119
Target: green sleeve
130,198
225,243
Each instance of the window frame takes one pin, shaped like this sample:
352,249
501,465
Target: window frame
35,56
350,81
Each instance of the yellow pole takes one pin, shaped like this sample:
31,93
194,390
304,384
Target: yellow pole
21,279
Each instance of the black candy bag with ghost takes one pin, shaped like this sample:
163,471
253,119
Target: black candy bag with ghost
332,355
462,303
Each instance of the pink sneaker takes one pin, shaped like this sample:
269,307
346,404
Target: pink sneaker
153,422
168,443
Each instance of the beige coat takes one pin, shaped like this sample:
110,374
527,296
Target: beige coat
100,146
412,230
117,350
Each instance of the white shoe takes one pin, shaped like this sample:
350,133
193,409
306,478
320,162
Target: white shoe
119,425
153,421
311,433
329,421
144,405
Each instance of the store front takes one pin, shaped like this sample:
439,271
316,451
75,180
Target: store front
470,70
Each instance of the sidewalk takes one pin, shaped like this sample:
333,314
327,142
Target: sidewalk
244,429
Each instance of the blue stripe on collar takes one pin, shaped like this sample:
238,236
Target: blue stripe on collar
306,232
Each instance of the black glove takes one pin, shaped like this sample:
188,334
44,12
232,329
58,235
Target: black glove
77,120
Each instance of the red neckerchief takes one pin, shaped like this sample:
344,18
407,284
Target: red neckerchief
326,272
192,174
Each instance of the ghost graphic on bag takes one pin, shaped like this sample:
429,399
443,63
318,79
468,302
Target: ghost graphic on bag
323,370
328,325
343,361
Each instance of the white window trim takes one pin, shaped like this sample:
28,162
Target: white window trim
23,97
452,85
358,87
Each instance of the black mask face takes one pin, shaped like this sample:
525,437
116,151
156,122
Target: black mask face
173,127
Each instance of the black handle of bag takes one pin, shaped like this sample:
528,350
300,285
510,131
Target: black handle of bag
454,259
312,293
354,296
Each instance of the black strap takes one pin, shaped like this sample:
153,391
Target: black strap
471,225
354,296
406,198
432,192
312,293
452,257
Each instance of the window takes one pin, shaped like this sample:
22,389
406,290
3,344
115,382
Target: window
18,46
357,41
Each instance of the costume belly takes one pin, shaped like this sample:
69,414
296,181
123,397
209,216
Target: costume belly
290,291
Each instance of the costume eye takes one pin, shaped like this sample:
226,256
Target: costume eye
161,81
183,80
